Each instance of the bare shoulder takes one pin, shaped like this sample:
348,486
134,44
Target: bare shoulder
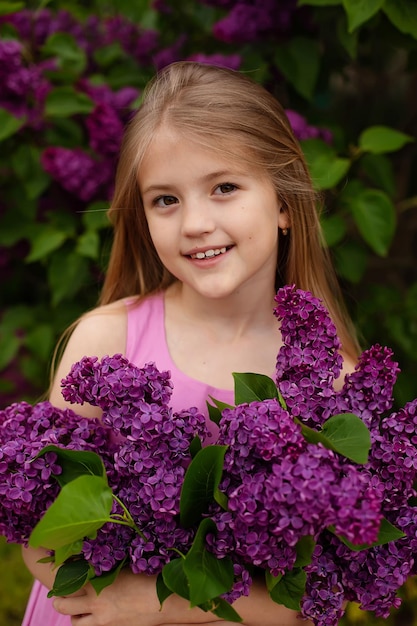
103,330
99,332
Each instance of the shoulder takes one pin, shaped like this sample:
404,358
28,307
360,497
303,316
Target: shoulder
99,332
103,328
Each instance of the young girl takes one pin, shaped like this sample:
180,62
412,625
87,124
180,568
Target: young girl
213,211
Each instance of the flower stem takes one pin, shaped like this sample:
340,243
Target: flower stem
126,519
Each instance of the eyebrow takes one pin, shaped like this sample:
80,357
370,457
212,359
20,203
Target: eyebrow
204,179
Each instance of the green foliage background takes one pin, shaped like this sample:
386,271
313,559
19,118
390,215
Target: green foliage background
354,73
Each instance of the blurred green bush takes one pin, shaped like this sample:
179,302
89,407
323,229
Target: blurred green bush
71,73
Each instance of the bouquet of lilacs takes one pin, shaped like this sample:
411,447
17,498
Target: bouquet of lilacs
309,487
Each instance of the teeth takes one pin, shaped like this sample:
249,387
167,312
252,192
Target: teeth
208,253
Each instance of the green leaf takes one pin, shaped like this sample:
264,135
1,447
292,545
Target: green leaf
222,609
378,168
375,217
334,229
174,577
162,591
11,7
66,101
81,508
253,387
349,40
195,446
346,434
387,533
359,11
40,340
75,463
67,273
271,580
403,14
70,578
208,576
326,168
351,261
65,552
88,244
9,347
305,548
214,413
72,59
9,124
299,61
43,241
290,589
95,217
106,578
382,139
201,483
26,164
107,55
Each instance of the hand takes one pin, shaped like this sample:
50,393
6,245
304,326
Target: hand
130,601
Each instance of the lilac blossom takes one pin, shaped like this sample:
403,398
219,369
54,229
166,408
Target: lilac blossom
279,487
27,484
303,130
77,171
248,22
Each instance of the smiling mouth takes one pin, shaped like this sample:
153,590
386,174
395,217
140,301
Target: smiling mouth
209,254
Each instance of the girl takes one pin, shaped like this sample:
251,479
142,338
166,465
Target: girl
213,211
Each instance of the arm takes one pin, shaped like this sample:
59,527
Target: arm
132,601
100,332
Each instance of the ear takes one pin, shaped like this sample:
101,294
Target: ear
283,218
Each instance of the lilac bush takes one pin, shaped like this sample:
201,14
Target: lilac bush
280,487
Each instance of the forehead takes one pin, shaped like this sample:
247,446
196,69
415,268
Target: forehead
173,151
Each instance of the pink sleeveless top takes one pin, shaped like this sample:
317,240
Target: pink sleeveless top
146,342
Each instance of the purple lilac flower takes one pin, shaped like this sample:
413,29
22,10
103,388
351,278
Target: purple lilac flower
309,360
279,487
77,171
105,130
368,390
168,55
303,130
139,43
27,486
24,88
247,22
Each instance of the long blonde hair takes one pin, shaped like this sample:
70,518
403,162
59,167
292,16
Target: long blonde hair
221,109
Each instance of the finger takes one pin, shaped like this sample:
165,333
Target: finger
75,606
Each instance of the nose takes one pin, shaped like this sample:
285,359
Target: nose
197,218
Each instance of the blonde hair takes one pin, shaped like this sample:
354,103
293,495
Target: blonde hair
223,110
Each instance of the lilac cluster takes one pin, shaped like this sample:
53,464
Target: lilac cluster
303,130
149,464
305,376
27,485
247,21
281,488
24,86
27,78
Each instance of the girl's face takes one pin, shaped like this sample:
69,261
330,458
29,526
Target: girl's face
214,223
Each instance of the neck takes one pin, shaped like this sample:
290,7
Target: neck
235,315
